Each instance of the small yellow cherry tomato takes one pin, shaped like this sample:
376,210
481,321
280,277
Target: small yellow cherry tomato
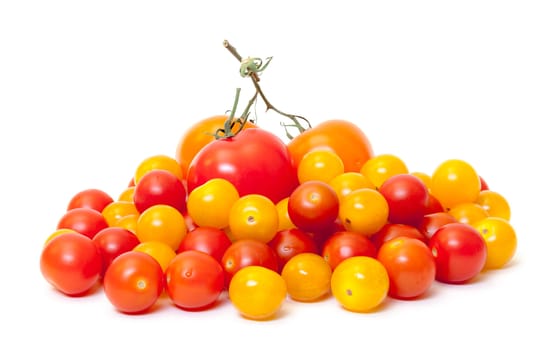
346,182
495,204
127,194
158,161
468,213
320,164
284,222
161,223
364,211
128,222
253,216
58,232
307,277
115,210
455,181
501,241
160,251
383,166
424,177
209,204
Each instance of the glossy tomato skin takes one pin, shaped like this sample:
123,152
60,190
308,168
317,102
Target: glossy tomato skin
291,242
159,187
407,198
210,240
345,244
72,263
343,137
194,280
433,221
92,198
460,252
255,161
112,242
86,221
391,231
313,206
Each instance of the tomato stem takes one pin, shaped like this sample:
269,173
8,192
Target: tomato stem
231,121
251,67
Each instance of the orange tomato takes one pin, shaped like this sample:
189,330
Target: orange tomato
343,137
197,136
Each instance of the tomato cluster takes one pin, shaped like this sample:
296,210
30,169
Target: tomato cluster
257,219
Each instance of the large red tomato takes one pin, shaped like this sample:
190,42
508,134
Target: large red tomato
342,136
254,161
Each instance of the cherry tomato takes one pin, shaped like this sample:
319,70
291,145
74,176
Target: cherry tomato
391,231
364,211
92,198
494,203
291,242
162,223
424,177
210,240
199,134
251,161
483,184
195,280
307,277
407,198
344,244
209,204
313,206
116,210
501,241
159,187
160,251
455,181
257,292
83,220
157,162
346,182
320,164
58,232
253,216
127,195
433,205
248,252
345,138
71,263
432,222
112,242
381,167
360,283
410,266
459,251
133,282
468,213
284,221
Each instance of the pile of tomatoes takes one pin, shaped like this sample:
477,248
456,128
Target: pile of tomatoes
252,220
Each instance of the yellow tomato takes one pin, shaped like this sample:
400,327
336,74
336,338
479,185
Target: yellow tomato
383,166
364,211
454,182
114,211
424,177
128,222
253,216
320,164
209,204
160,251
284,222
161,223
468,213
495,204
346,182
501,241
158,161
127,194
58,232
307,277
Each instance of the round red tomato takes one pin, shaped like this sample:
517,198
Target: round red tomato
83,220
255,161
288,243
432,222
391,231
72,263
92,198
313,206
460,252
133,282
247,252
407,198
159,187
194,280
210,240
410,265
114,241
345,244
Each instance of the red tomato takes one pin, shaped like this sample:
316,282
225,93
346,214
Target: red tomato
159,187
432,222
341,136
391,231
483,184
433,205
410,266
194,280
210,240
345,244
83,220
133,282
72,263
288,243
313,206
460,252
248,252
407,198
112,242
255,161
92,198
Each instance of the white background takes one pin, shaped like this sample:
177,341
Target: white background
89,89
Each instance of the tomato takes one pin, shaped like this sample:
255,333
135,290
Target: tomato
253,216
198,135
133,282
284,221
248,252
432,222
344,244
117,210
216,194
157,162
92,198
210,240
195,280
112,242
360,283
83,220
407,198
468,213
58,232
346,182
160,251
307,277
72,263
381,167
127,194
313,206
364,211
255,161
343,137
290,242
483,184
257,292
494,203
433,205
501,241
391,231
159,187
410,266
162,223
460,252
320,164
455,181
